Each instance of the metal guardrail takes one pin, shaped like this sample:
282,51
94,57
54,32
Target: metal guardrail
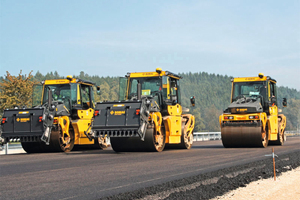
205,136
11,148
199,136
292,133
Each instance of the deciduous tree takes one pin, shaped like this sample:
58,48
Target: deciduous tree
15,91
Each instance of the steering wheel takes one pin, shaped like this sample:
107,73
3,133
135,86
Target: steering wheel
59,101
132,96
239,97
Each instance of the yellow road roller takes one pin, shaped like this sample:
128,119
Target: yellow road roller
148,115
60,118
252,119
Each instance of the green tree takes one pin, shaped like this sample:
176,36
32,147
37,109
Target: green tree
199,122
15,91
211,115
292,113
105,91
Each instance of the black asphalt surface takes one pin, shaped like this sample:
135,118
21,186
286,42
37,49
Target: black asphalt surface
98,174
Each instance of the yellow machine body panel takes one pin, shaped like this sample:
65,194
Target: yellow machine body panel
189,121
235,118
248,79
175,110
151,74
273,120
85,114
64,123
173,129
66,81
156,118
80,126
59,81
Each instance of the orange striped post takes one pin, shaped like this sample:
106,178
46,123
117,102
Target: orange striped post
273,155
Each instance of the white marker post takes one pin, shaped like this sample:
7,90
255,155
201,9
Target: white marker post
273,156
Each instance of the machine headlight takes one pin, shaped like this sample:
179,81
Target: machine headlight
228,117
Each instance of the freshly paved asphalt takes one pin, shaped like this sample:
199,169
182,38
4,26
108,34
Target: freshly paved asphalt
97,173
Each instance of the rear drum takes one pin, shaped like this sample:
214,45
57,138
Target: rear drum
35,147
153,141
60,142
244,137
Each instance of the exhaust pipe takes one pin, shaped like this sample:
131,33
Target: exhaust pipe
49,97
139,91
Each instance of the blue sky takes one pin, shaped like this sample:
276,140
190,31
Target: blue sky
111,38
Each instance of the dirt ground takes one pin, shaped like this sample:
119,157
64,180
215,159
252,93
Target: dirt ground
285,187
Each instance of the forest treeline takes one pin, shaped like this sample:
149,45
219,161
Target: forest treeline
212,93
